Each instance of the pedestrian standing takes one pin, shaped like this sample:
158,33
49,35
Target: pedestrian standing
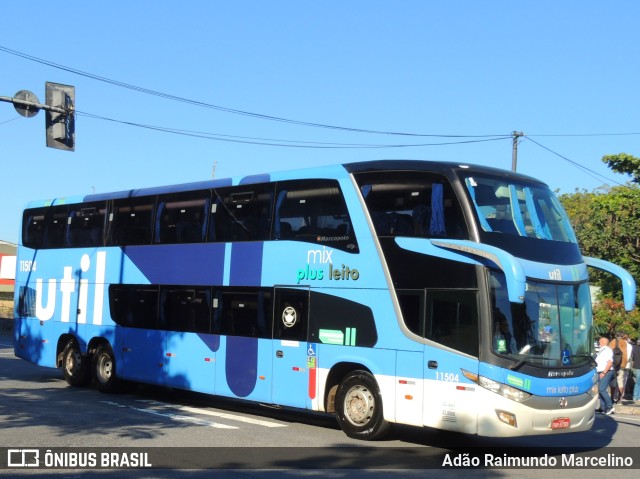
604,367
617,383
635,359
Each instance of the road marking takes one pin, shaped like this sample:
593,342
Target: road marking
207,412
172,416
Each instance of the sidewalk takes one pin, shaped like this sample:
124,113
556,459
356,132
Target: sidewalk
628,406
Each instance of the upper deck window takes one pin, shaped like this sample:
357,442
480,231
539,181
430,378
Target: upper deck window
412,203
313,211
521,209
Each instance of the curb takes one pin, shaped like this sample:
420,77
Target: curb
633,408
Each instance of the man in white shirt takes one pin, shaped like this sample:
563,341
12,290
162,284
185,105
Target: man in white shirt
604,367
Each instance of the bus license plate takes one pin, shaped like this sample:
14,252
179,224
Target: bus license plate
561,423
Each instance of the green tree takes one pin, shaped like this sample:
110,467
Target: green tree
607,222
607,225
625,164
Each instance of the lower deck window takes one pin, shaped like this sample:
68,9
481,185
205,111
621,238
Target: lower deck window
448,317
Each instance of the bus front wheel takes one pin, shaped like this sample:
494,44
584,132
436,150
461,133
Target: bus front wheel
75,365
359,407
104,370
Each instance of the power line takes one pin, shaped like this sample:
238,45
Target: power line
586,170
279,142
9,121
587,134
221,108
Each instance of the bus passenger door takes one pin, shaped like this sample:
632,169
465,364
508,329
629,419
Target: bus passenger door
291,372
450,398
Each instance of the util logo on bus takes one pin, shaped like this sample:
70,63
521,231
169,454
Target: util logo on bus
67,288
555,275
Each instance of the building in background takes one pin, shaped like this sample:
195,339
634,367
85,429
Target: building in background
7,280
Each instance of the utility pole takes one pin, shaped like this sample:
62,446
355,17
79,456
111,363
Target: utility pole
60,113
514,153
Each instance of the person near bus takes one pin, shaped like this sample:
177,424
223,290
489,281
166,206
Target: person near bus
604,367
635,359
617,383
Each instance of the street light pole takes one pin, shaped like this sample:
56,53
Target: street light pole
514,153
59,109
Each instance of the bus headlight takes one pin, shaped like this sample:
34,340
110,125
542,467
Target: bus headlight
593,392
504,390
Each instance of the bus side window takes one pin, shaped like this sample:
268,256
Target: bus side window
412,305
131,221
313,211
181,218
34,227
86,225
246,313
241,213
452,319
185,309
56,222
134,306
411,203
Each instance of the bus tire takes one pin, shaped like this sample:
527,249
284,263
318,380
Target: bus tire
359,407
75,365
103,365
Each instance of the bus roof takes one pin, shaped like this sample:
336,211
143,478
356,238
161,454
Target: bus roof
448,169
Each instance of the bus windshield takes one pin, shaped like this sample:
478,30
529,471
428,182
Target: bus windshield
552,328
522,209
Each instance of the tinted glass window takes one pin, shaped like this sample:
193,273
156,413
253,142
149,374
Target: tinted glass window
185,309
313,211
412,304
131,221
520,209
135,306
86,224
452,319
27,302
246,314
241,213
181,218
412,203
34,227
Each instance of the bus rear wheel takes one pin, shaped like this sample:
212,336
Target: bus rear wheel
359,407
75,365
104,370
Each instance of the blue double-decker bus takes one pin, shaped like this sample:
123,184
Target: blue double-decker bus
423,293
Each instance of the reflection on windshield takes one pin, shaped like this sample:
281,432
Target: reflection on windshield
519,209
551,328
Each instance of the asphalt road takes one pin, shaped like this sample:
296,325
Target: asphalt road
205,435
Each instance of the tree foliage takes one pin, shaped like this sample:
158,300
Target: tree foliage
607,225
625,164
609,317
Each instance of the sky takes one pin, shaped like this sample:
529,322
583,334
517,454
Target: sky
170,92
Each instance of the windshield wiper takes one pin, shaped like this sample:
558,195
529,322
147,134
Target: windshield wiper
518,365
